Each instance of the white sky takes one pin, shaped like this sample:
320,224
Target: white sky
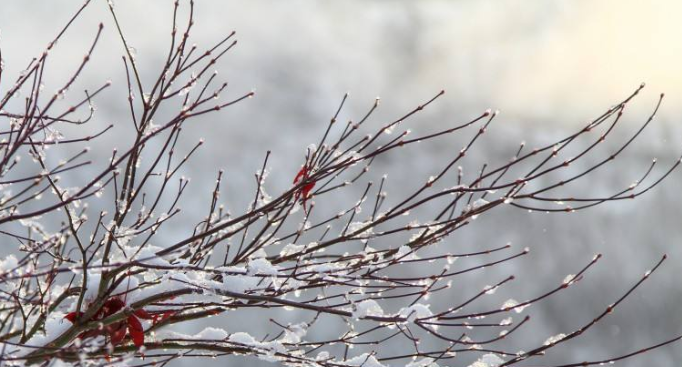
530,59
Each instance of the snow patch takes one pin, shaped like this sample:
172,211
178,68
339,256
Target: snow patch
9,263
368,307
488,360
418,311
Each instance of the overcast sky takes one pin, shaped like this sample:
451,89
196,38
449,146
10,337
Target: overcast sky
526,58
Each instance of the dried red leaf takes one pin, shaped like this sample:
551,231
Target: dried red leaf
118,331
303,173
143,314
160,317
118,334
304,193
135,330
71,316
167,315
109,307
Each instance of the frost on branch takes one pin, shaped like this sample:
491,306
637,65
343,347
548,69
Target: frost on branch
488,360
108,269
368,307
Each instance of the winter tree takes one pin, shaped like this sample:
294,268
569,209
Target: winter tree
94,276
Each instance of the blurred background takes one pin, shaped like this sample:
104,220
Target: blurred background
548,66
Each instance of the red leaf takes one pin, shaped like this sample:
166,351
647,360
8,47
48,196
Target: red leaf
304,193
135,330
71,316
118,334
167,315
303,173
109,307
114,305
159,317
118,331
143,314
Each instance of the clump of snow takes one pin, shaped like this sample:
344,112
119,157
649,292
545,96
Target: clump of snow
406,253
291,249
488,360
55,325
357,226
368,307
123,235
418,311
211,333
244,280
125,289
426,228
294,333
554,339
242,338
474,206
262,266
9,263
269,348
240,283
479,203
512,303
258,275
168,282
146,255
328,267
91,286
363,360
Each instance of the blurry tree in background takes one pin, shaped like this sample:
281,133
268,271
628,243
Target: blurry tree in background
92,280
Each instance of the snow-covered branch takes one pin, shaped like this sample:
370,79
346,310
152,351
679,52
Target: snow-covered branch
105,268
